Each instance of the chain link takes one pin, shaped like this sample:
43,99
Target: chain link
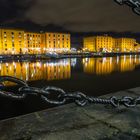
61,97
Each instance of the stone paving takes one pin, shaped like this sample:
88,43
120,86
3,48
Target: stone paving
70,122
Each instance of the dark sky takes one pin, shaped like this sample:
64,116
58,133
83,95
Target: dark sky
73,15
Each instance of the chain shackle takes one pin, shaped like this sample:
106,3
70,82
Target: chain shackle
58,91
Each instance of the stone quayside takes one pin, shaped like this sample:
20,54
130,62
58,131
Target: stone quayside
71,122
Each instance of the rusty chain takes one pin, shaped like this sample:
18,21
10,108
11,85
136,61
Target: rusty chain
61,97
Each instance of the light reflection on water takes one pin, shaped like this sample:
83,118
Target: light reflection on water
32,71
107,65
62,69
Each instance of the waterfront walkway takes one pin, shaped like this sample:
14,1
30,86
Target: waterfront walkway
70,122
23,57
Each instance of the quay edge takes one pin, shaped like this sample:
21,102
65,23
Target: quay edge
71,122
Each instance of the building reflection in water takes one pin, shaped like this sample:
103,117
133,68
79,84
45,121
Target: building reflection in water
33,71
61,69
107,65
73,62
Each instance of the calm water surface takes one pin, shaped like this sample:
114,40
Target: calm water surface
93,76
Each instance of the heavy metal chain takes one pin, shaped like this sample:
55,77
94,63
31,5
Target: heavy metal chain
61,97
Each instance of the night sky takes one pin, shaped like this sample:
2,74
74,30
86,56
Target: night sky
72,15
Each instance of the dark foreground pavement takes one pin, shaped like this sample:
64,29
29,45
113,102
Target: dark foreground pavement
70,122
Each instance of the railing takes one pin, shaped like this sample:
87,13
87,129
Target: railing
61,97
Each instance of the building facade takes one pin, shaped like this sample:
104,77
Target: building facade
11,41
110,44
32,43
56,42
99,44
89,44
14,41
125,45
